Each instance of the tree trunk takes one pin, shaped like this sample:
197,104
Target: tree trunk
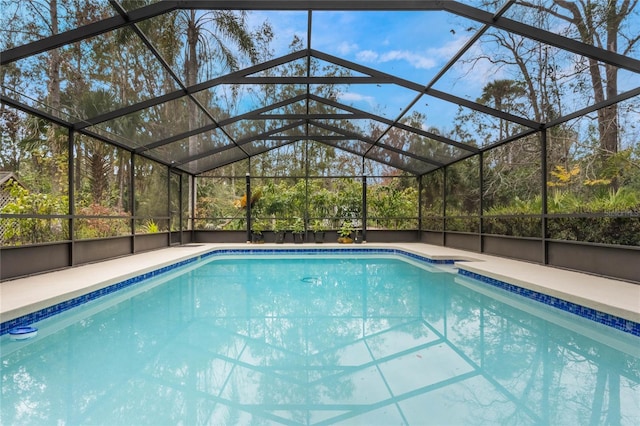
587,28
53,75
191,75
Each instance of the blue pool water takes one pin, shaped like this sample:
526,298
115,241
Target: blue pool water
316,339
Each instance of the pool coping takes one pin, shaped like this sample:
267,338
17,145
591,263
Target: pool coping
48,294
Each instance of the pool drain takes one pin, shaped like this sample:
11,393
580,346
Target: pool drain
310,280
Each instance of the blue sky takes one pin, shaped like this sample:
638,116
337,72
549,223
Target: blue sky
411,45
414,46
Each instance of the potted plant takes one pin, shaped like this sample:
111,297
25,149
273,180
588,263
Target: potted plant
358,237
257,229
298,231
345,232
318,231
280,228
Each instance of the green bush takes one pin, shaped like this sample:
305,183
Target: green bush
32,230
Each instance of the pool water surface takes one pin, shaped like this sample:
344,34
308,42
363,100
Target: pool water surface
319,339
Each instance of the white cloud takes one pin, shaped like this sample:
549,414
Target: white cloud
367,56
431,58
355,97
345,48
448,49
414,59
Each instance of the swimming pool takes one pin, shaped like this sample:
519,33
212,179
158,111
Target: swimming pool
319,339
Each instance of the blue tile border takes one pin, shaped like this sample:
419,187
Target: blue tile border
77,301
609,320
220,252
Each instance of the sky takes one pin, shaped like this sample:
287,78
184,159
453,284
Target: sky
416,46
410,45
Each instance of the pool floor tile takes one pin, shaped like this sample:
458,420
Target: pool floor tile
400,338
385,416
422,368
466,402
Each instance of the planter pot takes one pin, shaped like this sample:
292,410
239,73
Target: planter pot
345,240
257,238
318,237
279,237
358,238
298,238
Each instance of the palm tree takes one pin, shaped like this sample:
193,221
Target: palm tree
501,94
211,37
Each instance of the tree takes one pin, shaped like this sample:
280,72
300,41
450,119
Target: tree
601,24
502,94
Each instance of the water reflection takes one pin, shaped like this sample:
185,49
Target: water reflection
382,342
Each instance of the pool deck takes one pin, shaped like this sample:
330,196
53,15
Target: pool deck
26,295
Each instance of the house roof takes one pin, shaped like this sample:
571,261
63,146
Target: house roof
6,177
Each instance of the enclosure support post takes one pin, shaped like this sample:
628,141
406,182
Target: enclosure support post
543,182
364,208
481,202
420,178
444,206
248,206
132,201
72,195
169,194
191,225
180,207
307,204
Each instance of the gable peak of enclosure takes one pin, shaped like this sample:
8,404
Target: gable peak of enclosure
407,85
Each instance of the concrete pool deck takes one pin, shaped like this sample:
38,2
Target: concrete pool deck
30,294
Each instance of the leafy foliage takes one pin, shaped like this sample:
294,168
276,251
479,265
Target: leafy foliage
94,221
31,230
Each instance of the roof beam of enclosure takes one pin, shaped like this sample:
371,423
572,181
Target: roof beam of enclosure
63,123
381,161
221,123
310,116
177,137
543,36
85,32
257,113
390,122
455,58
168,68
189,90
269,133
577,114
33,111
155,9
130,109
225,163
309,80
373,142
240,142
341,131
452,61
310,138
304,5
122,12
429,91
614,100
